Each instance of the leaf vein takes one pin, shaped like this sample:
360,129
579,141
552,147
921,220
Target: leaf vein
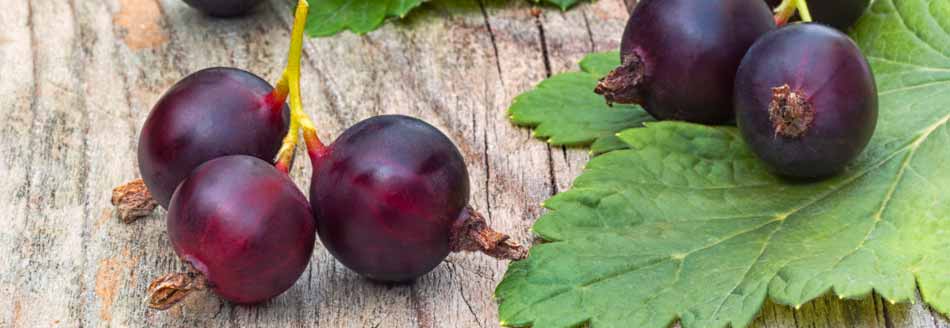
914,86
597,280
923,68
914,32
758,258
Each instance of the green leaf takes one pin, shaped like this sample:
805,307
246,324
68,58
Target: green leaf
328,17
563,4
688,224
607,144
565,110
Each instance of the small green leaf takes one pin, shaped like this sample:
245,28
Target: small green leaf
687,224
600,63
565,110
328,17
563,4
607,144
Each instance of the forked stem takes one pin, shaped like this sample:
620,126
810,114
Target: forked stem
290,81
788,8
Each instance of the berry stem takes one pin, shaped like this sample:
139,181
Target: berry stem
285,157
803,11
277,97
788,8
471,233
290,81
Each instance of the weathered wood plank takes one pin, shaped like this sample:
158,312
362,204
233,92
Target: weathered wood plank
49,137
16,60
87,72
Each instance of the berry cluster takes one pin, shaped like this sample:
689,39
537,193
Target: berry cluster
389,198
803,95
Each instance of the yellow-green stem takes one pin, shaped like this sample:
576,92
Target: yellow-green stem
788,8
803,11
299,120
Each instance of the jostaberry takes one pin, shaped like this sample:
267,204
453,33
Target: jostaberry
679,57
806,100
224,8
387,195
244,226
390,198
211,113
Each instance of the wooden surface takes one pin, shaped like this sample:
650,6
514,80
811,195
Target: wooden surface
78,77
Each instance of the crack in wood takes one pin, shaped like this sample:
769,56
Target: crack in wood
590,33
83,174
888,323
544,46
552,175
491,36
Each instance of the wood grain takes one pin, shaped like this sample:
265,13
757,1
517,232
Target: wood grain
78,80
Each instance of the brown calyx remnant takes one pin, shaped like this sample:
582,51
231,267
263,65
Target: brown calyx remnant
168,290
623,84
133,201
790,112
472,234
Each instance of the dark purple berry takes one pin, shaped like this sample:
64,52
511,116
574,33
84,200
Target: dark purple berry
806,100
680,57
224,8
211,113
244,225
387,195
